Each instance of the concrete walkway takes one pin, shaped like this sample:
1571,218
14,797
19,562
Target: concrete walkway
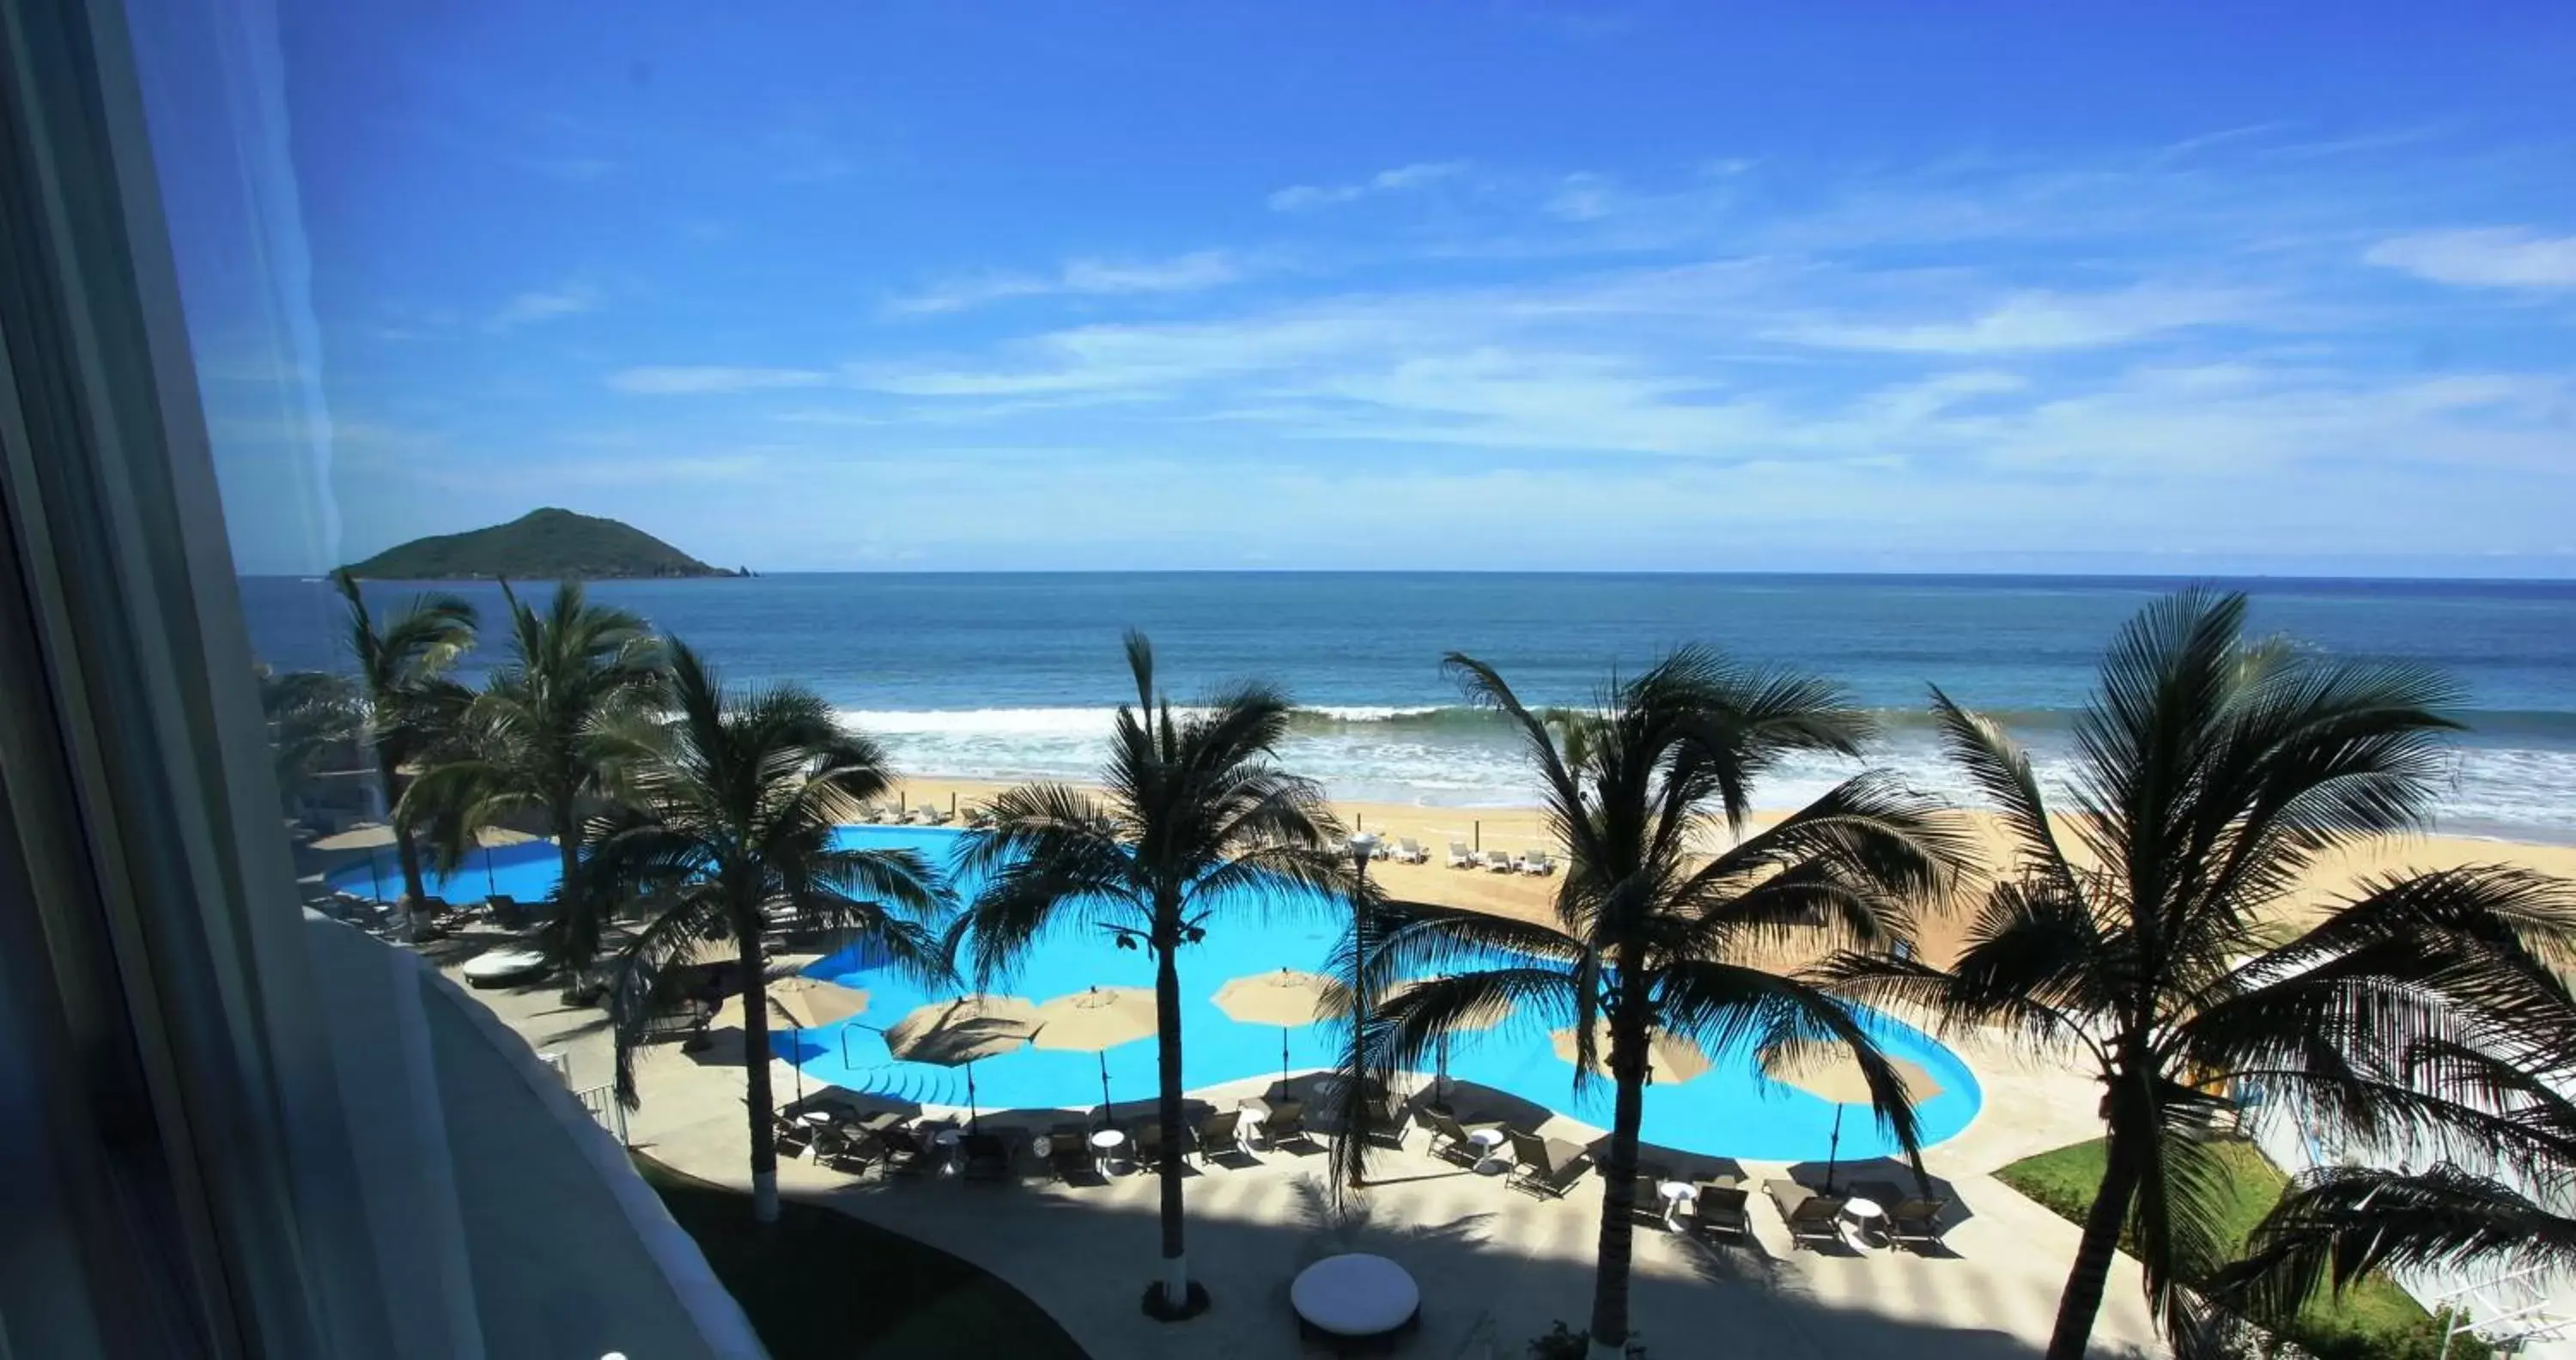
1495,1266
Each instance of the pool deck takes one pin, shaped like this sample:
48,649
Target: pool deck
1495,1266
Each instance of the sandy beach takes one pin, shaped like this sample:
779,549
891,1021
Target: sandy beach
1514,830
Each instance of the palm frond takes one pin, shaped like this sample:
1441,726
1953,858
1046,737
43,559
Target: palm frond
677,934
2336,1225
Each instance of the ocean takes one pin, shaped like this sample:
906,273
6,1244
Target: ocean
1012,676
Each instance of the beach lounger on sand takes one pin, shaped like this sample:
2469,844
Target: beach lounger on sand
1497,862
1410,851
1536,862
1813,1218
1460,857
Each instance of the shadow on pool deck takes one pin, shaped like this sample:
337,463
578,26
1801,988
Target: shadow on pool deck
1495,1265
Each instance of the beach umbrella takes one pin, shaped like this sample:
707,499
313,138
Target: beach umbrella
1279,996
489,836
1669,1057
800,1002
1096,1021
1464,1023
957,1032
1830,1073
372,837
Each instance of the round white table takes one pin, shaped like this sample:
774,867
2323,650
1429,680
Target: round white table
1865,1214
1355,1296
1676,1194
503,966
1488,1143
947,1140
1105,1145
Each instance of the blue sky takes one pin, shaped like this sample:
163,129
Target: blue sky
827,286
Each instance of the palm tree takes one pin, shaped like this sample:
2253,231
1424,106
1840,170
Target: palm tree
2339,1224
1652,933
410,704
732,814
548,735
2144,933
309,714
1196,819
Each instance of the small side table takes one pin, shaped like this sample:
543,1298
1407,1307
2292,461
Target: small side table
1488,1143
1866,1215
947,1141
1105,1145
1676,1194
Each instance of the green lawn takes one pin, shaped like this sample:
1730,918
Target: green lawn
2374,1320
823,1284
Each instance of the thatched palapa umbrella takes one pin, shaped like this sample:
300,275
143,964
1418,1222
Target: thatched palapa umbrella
1096,1021
1280,996
1669,1057
956,1033
1830,1073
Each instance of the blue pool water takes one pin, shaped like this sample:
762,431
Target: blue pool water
1732,1111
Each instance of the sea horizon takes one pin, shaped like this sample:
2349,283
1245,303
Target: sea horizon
1013,675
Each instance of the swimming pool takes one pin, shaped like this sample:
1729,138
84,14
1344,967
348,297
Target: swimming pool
1731,1111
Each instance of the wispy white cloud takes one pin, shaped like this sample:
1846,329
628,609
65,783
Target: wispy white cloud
1193,272
2482,257
541,305
703,379
2030,321
1306,197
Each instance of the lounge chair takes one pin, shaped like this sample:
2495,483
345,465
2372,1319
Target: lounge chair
979,818
984,1157
1410,851
1286,1123
1649,1204
506,912
904,1155
1720,1211
1069,1150
1218,1134
1145,1143
1454,1142
1460,857
1496,862
792,1135
1389,1119
1537,863
1814,1218
1916,1222
1545,1167
848,1150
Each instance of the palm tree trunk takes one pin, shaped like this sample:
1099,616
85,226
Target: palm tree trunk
579,933
1619,1202
2082,1299
415,903
1167,1026
755,1068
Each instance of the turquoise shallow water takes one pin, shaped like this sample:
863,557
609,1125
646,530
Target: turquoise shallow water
1733,1111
